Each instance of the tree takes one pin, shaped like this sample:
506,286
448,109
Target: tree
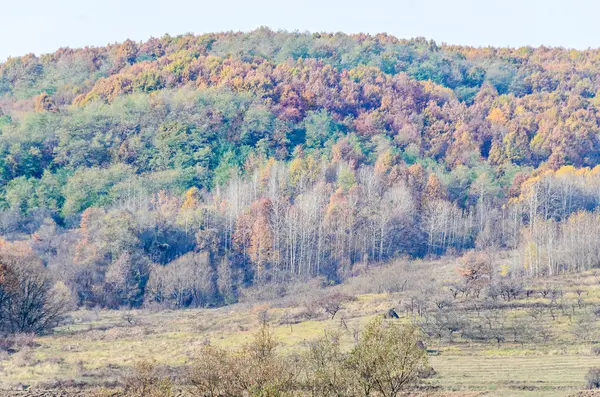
319,127
476,271
29,300
187,281
125,280
45,103
434,190
387,358
333,303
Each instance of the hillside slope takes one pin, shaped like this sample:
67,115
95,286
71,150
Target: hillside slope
182,170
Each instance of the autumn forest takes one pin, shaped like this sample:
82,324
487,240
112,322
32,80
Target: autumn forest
186,171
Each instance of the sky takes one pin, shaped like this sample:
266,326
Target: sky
42,26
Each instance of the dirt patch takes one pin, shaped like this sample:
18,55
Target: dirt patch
79,393
42,393
446,394
587,393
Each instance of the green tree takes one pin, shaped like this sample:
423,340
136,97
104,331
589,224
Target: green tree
319,127
181,145
20,194
92,186
387,358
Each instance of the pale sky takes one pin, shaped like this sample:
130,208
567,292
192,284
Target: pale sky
42,26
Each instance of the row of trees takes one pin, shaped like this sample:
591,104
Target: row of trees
560,210
304,219
551,247
492,304
285,222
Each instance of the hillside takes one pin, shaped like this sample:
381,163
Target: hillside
158,197
269,156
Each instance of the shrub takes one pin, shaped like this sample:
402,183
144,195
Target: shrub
145,381
592,378
103,392
260,371
255,370
211,373
387,358
16,342
327,374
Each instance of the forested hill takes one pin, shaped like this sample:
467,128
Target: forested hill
452,104
182,169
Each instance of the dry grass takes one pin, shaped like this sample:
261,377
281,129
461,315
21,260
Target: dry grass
98,347
542,373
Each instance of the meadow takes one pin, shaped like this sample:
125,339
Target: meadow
97,347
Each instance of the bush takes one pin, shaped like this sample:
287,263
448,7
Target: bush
592,378
327,374
211,373
255,370
145,381
17,342
387,358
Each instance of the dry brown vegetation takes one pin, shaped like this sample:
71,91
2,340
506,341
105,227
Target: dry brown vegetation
534,347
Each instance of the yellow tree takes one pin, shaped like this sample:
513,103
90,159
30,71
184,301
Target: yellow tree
434,190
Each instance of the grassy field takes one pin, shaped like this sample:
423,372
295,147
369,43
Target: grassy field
513,375
97,347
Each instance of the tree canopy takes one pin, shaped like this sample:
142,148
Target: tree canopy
181,169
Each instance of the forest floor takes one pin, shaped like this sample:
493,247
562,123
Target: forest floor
98,347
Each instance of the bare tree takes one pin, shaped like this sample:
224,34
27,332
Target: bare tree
29,299
333,303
